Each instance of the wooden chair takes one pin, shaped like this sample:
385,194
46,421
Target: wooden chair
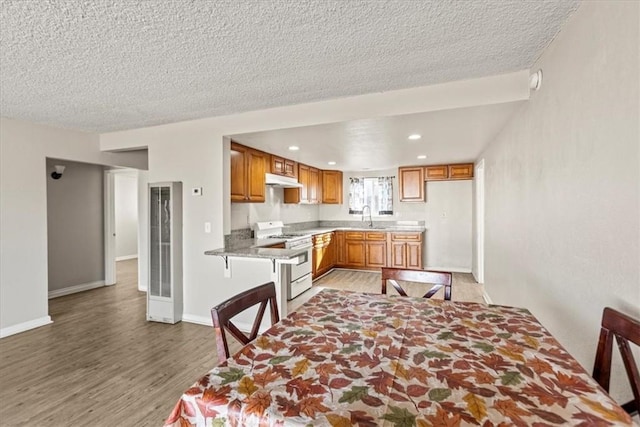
437,278
625,329
222,314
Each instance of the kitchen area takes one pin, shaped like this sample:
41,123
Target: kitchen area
293,223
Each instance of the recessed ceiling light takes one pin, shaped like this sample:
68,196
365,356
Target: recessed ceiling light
415,136
331,163
294,148
422,156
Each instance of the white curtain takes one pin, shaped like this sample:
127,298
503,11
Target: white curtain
377,193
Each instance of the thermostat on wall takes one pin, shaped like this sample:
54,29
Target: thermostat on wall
196,191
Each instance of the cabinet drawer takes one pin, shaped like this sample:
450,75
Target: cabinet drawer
376,235
406,237
354,235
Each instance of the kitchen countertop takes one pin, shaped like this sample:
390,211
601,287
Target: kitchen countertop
255,248
400,228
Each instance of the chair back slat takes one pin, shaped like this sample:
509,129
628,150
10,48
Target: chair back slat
437,278
624,329
224,312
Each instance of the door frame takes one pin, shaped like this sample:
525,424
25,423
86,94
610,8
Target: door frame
110,223
109,228
480,219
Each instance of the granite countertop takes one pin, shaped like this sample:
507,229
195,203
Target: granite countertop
255,248
391,228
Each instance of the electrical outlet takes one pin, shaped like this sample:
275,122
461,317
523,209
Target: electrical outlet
196,191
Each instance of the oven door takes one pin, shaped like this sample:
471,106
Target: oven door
303,266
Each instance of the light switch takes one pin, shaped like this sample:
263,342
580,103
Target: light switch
207,227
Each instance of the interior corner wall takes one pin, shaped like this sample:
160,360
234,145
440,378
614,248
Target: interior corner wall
563,185
75,225
24,148
126,215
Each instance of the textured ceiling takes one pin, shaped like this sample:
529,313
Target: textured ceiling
104,65
448,136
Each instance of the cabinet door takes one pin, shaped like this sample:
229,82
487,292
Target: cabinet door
277,165
303,178
355,253
398,255
314,185
461,171
436,173
411,184
238,173
331,251
376,254
332,187
257,167
290,168
414,255
339,246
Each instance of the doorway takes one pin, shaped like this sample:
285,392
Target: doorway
122,225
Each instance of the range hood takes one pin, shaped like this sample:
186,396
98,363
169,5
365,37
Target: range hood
273,180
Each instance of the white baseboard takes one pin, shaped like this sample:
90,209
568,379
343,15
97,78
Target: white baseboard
451,269
76,288
22,327
198,320
206,321
126,257
487,298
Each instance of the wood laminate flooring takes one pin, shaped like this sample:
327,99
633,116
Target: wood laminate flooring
102,364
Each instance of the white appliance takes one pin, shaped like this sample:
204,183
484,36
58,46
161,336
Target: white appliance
298,275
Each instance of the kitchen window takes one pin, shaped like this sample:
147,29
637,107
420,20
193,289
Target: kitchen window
375,192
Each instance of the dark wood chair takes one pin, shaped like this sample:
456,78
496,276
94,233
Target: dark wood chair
624,328
224,312
437,278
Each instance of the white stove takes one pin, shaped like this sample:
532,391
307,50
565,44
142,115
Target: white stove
299,275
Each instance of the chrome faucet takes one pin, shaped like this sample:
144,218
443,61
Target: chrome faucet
370,219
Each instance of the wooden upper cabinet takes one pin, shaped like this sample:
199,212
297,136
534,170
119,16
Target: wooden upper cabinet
284,167
311,190
315,191
436,173
332,187
411,184
248,167
461,171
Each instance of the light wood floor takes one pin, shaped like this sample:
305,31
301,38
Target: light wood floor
101,363
464,287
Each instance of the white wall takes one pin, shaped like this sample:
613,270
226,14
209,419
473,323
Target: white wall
143,227
75,225
126,214
447,214
24,148
194,152
563,184
244,215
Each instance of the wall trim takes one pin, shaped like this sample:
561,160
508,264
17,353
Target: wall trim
25,326
198,320
76,288
451,269
126,257
487,298
206,321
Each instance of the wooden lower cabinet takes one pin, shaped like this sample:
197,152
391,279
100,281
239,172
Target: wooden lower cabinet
376,254
405,250
366,250
354,252
323,254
